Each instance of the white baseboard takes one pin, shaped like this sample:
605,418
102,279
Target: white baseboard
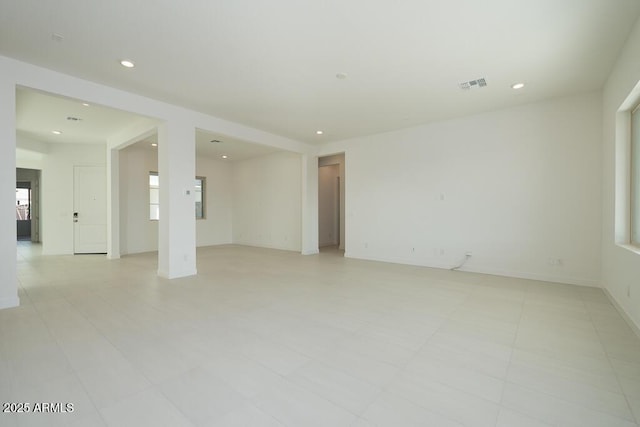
480,270
534,276
634,327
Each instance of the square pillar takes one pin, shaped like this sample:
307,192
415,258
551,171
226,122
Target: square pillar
8,272
177,225
309,204
113,203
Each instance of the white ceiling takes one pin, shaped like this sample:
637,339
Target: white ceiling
234,149
273,64
38,114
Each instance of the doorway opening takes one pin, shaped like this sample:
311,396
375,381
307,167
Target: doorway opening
27,205
331,204
23,210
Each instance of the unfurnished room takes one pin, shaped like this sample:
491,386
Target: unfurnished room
296,213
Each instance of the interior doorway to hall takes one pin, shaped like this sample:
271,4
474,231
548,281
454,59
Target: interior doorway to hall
331,203
27,205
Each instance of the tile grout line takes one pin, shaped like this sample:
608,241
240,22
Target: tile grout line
626,397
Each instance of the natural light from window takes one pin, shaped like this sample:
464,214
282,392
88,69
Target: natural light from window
154,196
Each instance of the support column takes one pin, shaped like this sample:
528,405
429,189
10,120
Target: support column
113,203
8,272
177,225
309,204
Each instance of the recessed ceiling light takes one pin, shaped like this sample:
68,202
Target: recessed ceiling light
216,141
56,132
153,144
319,132
126,63
517,86
224,156
86,104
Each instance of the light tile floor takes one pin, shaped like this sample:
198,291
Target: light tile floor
271,338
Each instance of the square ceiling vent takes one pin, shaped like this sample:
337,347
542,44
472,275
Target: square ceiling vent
473,84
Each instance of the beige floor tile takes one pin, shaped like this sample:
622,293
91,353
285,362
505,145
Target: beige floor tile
201,397
336,386
147,408
391,411
268,337
447,401
293,405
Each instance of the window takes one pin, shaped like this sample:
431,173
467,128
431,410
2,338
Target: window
154,196
635,176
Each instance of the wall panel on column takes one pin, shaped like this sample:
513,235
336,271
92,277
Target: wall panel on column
309,204
177,225
8,274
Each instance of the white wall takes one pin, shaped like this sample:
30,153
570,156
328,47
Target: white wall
517,188
267,201
56,209
29,152
216,228
8,271
138,233
620,265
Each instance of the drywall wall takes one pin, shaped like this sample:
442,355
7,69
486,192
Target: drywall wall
56,207
328,205
138,233
29,152
215,228
267,201
519,188
8,271
620,264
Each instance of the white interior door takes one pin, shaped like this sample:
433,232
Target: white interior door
89,210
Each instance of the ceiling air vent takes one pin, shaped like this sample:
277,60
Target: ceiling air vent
473,84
